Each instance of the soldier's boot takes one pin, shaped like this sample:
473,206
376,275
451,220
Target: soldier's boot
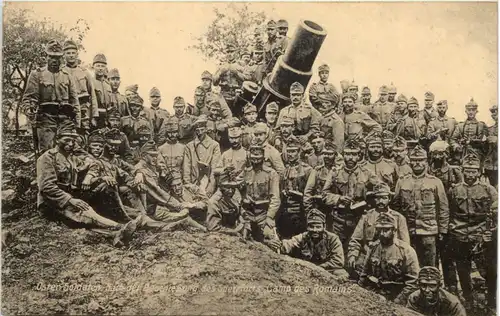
124,235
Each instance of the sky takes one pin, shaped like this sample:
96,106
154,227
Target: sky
449,48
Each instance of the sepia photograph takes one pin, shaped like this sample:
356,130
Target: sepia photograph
249,158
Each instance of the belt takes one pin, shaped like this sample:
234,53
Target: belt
54,108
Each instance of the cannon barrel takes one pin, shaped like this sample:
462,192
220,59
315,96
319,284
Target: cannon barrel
295,65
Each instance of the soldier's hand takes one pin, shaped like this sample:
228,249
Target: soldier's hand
110,181
86,183
345,200
80,205
139,179
141,187
274,244
351,262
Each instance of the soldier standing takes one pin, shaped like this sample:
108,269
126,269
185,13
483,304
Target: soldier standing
442,126
229,77
250,119
118,100
271,117
282,26
216,125
323,87
274,47
51,92
272,157
171,152
388,145
431,299
391,266
366,100
401,157
411,127
471,201
83,82
318,143
422,199
384,169
291,219
186,121
392,91
491,161
429,112
258,69
102,89
206,85
113,122
137,118
234,159
357,124
157,116
332,125
382,109
131,90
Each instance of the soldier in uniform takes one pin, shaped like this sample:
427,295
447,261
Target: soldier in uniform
411,127
392,91
51,93
491,160
230,76
429,112
258,69
199,106
471,201
118,100
282,26
366,100
364,236
316,245
391,266
357,124
130,90
216,125
422,200
317,142
186,121
102,89
261,197
305,117
274,47
206,84
384,169
354,90
401,157
83,82
171,155
332,125
271,117
388,144
291,219
142,136
201,156
322,87
157,116
345,190
471,133
283,135
234,159
137,118
113,122
431,299
439,166
382,109
250,119
272,157
442,126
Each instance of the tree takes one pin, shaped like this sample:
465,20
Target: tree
235,24
23,49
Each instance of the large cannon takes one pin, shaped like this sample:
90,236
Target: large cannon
295,65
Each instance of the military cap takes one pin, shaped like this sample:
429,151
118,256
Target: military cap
385,220
234,122
144,130
199,91
438,146
206,75
392,89
256,148
260,128
172,124
329,147
132,88
373,138
494,109
213,102
442,102
201,120
258,48
323,67
316,135
225,182
399,143
234,131
387,135
296,87
353,85
179,101
365,90
68,131
352,145
429,274
135,99
246,51
287,121
113,113
99,58
383,90
174,175
154,92
429,95
70,44
149,148
96,137
272,107
382,189
249,108
230,47
418,153
113,73
54,48
293,143
315,216
282,23
271,24
471,105
412,100
402,98
113,137
348,95
471,161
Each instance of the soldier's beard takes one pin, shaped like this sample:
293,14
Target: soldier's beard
438,162
386,240
236,145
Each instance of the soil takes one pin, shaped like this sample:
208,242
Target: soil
48,268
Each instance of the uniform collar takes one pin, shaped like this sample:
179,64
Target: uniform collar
205,142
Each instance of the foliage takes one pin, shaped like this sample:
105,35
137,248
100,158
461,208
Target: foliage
235,25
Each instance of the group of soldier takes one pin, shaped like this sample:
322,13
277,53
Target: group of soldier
368,191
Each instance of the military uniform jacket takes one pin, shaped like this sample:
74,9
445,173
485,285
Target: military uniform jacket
197,111
314,186
327,253
110,167
44,87
247,134
448,175
272,159
469,209
314,159
171,156
223,213
491,159
261,185
429,115
384,169
104,94
395,263
364,234
130,125
294,179
440,123
306,118
447,304
186,127
120,103
410,128
333,127
84,86
231,157
472,130
403,169
229,77
124,151
423,201
206,151
157,116
55,177
216,129
359,124
381,112
322,89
